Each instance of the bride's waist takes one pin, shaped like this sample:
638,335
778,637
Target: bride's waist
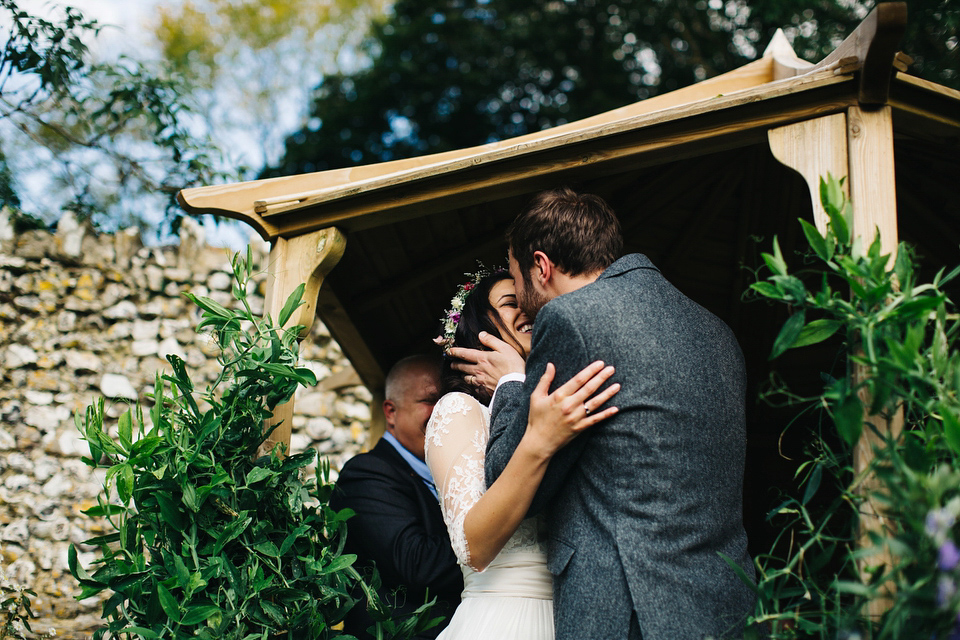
515,575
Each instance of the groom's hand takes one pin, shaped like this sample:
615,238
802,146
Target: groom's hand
485,368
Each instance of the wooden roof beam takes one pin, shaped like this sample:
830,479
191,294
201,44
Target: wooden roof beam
873,45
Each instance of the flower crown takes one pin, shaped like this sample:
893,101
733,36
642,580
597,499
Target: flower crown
451,318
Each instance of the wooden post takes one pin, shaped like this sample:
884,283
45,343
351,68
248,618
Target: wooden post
378,423
858,144
302,259
874,199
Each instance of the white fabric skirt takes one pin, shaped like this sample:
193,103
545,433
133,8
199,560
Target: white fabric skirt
511,600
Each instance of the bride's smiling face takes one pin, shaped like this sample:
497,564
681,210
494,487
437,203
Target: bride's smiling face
514,324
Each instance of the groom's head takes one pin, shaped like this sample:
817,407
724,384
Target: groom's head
561,237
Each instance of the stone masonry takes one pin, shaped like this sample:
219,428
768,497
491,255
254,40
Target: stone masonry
84,315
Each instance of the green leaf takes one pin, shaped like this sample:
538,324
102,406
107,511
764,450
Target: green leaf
77,570
816,331
848,419
141,631
813,483
125,483
190,497
856,588
104,510
737,569
267,548
775,262
258,474
199,614
298,461
293,301
788,334
183,574
950,276
817,242
210,306
835,203
156,411
276,613
951,426
766,289
125,429
168,602
338,564
230,532
145,446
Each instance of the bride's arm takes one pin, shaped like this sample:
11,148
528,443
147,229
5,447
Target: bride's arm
554,420
481,523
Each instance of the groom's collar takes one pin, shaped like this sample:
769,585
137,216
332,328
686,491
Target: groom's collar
627,263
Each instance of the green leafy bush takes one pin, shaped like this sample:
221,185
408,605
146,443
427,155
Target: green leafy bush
15,610
210,540
901,339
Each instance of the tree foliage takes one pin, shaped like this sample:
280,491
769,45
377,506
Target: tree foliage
111,140
458,73
253,63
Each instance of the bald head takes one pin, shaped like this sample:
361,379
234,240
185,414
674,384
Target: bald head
412,388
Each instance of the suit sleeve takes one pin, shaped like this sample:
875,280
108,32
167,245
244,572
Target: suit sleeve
389,528
555,340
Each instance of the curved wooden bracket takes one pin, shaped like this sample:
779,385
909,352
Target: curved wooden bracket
873,48
813,148
303,259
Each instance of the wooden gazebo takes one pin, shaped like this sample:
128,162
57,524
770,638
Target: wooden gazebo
696,176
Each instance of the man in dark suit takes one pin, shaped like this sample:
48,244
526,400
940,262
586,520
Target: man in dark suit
398,525
641,506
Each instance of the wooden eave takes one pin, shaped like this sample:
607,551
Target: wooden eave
726,111
691,121
924,109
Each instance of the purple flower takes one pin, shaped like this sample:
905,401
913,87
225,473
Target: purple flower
949,556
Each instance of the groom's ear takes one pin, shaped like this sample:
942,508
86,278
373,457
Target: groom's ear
543,268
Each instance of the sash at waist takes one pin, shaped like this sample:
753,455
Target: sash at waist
513,575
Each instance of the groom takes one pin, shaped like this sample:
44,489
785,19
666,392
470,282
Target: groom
639,508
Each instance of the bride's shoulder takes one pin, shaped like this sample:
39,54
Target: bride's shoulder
455,415
456,402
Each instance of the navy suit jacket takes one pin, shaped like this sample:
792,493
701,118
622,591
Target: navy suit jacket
399,527
640,506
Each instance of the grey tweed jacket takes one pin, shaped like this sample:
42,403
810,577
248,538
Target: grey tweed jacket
640,507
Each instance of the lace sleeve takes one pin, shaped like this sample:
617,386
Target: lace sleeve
456,442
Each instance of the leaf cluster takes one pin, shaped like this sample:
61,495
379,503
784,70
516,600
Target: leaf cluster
900,346
211,539
15,612
125,124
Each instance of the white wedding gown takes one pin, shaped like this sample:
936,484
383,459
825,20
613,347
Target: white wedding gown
512,599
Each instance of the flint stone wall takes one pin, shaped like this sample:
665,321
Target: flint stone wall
85,315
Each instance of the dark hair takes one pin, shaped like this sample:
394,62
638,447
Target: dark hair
477,315
580,233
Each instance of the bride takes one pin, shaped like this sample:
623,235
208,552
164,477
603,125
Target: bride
508,592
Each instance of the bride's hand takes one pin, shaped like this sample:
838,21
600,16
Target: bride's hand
557,418
485,368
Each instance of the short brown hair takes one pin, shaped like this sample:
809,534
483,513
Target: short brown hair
579,232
